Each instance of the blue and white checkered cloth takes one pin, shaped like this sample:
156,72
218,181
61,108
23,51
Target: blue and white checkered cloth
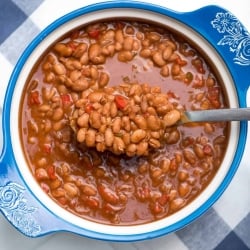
225,226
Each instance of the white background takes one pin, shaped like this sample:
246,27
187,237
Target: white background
11,239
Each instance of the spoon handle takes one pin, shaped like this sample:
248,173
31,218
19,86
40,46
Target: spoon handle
232,114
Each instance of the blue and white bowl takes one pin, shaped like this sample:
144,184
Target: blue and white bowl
220,35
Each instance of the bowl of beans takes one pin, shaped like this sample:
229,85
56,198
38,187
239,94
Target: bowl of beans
93,139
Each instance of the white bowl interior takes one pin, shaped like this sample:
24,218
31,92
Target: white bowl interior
16,143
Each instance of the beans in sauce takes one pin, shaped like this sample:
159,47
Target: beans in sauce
90,127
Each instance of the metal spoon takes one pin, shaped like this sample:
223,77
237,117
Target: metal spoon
216,115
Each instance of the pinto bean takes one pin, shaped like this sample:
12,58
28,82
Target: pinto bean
171,118
128,43
113,110
175,69
125,56
116,125
208,128
142,148
131,149
62,49
95,119
198,150
59,69
89,190
83,120
146,53
58,125
49,77
57,114
183,175
119,37
184,189
41,174
138,135
74,75
118,145
141,122
158,59
167,53
109,137
164,165
81,135
154,37
44,108
80,84
189,156
80,49
95,96
153,123
84,58
154,143
176,204
90,137
95,54
71,189
103,80
126,138
164,71
108,195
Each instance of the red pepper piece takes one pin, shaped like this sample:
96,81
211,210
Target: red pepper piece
34,98
120,101
66,99
51,172
94,33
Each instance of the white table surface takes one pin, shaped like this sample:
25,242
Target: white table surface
11,239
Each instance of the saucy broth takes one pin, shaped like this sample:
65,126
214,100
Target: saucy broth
103,186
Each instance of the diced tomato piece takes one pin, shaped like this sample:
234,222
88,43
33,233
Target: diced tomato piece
33,98
88,108
94,33
51,172
156,208
180,61
120,101
73,45
207,149
47,148
66,99
163,199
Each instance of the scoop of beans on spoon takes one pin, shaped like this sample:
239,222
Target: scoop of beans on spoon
132,118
